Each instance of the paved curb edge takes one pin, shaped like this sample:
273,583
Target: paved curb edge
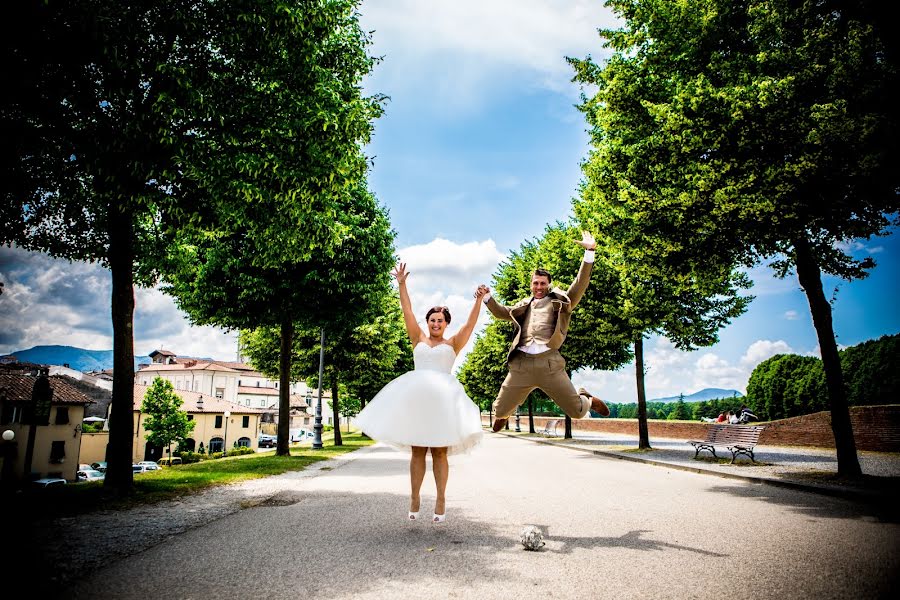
839,492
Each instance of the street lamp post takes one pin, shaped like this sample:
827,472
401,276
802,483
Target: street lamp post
518,429
225,442
317,427
9,456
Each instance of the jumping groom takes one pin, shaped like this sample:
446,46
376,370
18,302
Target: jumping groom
541,323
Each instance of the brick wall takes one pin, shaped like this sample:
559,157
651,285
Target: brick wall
874,427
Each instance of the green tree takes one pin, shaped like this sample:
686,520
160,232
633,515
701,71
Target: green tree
736,132
679,411
359,360
165,421
128,126
340,287
872,371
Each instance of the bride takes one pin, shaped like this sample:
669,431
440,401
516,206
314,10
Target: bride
427,408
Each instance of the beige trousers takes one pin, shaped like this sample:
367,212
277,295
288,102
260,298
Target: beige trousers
546,371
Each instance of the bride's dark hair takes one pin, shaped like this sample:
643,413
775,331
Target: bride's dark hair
441,309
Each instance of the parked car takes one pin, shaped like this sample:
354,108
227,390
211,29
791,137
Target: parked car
100,466
146,462
89,475
46,482
168,462
268,441
136,468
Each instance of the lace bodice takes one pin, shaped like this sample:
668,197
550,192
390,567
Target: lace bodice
436,358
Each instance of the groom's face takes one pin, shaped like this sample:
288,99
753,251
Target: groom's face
540,285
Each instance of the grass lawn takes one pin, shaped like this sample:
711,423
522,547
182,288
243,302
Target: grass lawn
180,480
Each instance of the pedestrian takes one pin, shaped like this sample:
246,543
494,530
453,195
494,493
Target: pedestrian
427,409
541,323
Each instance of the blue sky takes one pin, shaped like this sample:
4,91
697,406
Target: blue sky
478,150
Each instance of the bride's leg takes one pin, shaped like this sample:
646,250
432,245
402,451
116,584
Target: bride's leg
416,475
441,469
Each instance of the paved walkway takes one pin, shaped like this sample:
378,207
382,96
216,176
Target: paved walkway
810,469
613,529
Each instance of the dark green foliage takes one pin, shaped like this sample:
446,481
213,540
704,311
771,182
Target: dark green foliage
788,385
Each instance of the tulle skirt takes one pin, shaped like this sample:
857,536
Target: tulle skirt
423,408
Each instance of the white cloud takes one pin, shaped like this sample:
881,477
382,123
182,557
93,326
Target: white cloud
791,315
670,372
446,273
761,350
459,51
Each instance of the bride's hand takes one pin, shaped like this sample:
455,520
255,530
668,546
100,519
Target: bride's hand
400,273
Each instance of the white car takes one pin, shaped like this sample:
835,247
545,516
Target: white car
138,468
46,482
89,475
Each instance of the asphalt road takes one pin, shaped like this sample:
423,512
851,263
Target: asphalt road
613,529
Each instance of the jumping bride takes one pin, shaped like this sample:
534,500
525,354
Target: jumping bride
427,408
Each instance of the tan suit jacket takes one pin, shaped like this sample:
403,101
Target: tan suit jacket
564,302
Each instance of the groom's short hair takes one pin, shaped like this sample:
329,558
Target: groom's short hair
543,273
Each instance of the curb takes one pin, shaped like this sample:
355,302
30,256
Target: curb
856,494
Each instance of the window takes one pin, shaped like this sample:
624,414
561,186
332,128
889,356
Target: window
190,417
57,452
218,421
257,384
246,421
220,392
262,403
62,415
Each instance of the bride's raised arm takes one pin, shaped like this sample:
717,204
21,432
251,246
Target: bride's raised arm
409,319
462,336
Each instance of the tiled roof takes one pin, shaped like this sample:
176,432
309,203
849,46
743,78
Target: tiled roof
162,352
200,366
17,388
261,391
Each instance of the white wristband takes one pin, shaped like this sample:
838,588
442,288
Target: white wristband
588,256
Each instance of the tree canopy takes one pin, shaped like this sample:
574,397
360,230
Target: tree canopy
130,126
732,132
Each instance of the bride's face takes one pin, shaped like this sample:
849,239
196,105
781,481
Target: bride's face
436,324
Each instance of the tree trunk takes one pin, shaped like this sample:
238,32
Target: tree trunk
283,443
119,475
335,408
811,281
643,432
530,414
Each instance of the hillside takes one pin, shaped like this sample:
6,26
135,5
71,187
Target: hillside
77,358
704,394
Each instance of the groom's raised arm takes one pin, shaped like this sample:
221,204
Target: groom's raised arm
579,286
497,309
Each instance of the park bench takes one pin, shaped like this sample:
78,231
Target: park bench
739,439
550,428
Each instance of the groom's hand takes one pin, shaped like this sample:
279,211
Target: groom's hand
587,241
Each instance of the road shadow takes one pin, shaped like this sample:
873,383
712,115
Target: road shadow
632,540
880,506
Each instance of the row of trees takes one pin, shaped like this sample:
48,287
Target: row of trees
724,134
215,146
788,385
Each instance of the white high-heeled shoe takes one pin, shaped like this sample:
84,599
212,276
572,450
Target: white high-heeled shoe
439,518
413,516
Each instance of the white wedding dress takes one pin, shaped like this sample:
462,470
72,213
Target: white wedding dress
424,407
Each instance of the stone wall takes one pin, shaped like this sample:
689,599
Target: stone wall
874,427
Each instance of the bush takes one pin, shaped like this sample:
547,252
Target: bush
190,457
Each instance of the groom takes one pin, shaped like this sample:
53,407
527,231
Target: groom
541,323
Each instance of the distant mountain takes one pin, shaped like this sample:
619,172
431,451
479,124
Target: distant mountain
705,394
77,358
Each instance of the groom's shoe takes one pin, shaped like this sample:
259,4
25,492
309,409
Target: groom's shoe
501,423
597,405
